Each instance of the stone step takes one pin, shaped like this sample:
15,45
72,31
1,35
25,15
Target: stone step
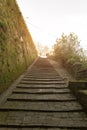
72,106
42,71
43,97
28,92
43,120
38,128
41,91
44,76
34,86
41,82
41,101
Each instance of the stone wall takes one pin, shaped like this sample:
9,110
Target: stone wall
17,49
82,74
79,89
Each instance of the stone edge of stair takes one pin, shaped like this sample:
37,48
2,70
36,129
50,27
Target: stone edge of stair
4,95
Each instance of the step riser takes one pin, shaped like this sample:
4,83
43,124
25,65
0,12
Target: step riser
41,100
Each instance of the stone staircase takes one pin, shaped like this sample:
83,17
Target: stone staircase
41,100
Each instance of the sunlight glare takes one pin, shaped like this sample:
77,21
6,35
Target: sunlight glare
47,20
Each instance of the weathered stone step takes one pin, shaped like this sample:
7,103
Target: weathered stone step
41,101
42,120
24,128
38,128
42,71
42,82
53,97
41,91
30,86
21,92
25,92
72,106
71,115
51,71
43,74
42,77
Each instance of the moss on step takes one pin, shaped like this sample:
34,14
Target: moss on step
83,91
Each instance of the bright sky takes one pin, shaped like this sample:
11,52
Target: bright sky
48,19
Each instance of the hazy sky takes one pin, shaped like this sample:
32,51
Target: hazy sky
48,19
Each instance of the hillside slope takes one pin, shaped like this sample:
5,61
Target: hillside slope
17,49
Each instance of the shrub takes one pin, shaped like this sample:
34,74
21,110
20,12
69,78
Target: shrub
68,50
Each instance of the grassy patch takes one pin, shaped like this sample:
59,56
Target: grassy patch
83,91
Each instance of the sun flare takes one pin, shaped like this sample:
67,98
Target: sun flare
47,20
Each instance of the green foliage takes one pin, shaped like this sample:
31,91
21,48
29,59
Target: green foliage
15,54
3,26
68,50
3,30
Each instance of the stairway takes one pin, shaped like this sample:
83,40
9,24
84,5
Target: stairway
41,101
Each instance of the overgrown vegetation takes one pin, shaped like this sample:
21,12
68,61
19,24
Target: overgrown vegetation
17,49
68,50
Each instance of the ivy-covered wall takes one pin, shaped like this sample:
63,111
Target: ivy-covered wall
17,49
